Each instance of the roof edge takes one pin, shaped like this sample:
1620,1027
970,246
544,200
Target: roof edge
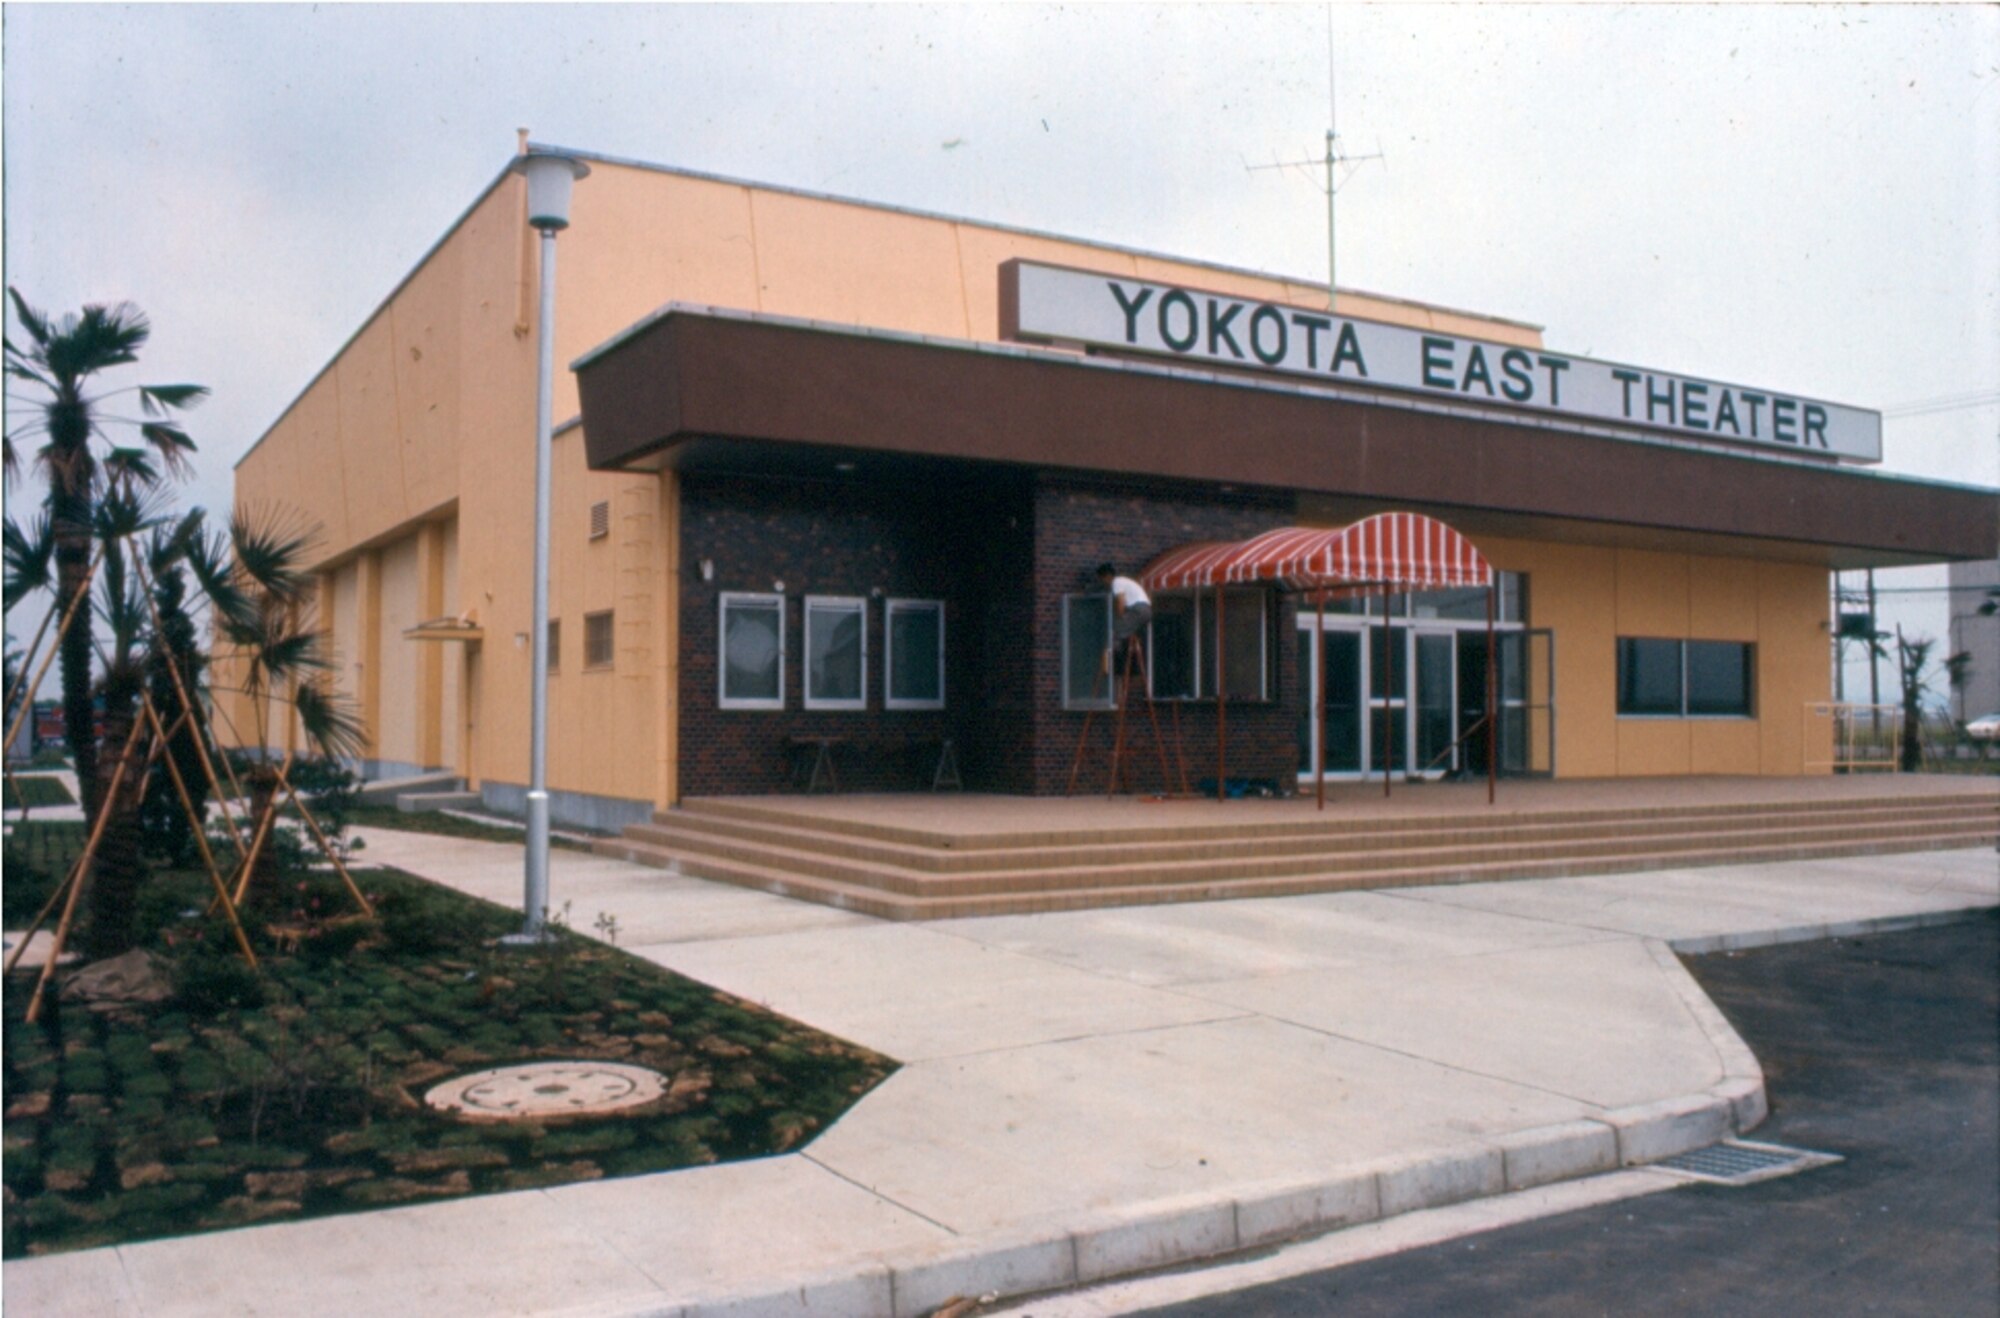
947,217
380,307
600,157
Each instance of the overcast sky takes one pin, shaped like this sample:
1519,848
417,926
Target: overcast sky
1805,198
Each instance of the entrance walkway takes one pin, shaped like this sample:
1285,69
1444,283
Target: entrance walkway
1085,1094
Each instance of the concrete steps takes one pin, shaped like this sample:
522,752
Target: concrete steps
386,791
416,803
901,873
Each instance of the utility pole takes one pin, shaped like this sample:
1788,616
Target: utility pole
1874,650
1874,661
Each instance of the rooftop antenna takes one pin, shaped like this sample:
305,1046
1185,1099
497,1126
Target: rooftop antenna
1334,158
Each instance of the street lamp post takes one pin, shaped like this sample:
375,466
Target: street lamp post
550,178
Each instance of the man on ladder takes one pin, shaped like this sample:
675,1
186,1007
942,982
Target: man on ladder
1131,610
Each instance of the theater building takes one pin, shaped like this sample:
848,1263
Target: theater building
833,476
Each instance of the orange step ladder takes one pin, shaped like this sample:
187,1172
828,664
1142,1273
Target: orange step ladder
1135,673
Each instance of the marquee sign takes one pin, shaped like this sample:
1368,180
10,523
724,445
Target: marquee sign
1052,304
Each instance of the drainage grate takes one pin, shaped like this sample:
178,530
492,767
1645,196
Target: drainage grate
1742,1162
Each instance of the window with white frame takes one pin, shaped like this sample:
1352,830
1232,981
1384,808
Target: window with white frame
1086,651
751,674
836,652
913,672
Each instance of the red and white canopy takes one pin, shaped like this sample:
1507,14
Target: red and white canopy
1407,550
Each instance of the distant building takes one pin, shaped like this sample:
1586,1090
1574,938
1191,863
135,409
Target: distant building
1977,634
831,472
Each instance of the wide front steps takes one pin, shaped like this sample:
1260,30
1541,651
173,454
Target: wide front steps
907,874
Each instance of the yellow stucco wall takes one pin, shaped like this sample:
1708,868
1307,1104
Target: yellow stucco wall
1592,595
413,451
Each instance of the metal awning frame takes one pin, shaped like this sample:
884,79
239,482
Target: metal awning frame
1315,563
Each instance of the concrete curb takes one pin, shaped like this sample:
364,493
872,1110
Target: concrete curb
1704,945
1175,1232
1741,1089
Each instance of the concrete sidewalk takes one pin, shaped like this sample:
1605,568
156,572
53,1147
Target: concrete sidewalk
1085,1094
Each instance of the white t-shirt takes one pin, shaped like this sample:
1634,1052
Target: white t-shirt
1129,592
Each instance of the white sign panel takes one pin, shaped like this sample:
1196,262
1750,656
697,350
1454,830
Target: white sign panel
1053,304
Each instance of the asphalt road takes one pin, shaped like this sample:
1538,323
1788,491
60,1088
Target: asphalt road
1885,1050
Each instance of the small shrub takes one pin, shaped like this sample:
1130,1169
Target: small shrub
27,888
416,927
209,982
334,940
329,789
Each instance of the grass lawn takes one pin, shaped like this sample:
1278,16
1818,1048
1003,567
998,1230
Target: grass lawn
298,1092
36,790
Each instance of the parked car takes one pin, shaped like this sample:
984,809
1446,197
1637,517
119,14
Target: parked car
1984,728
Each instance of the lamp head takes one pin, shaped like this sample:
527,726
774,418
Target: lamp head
550,178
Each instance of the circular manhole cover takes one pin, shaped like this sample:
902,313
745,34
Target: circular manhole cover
539,1090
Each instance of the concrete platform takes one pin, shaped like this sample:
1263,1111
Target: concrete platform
1085,1094
961,817
917,857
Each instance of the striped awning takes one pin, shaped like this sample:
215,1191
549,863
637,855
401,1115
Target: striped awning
1406,550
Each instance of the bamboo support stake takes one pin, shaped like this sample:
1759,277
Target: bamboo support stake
217,711
258,838
200,741
34,648
327,848
249,862
47,907
201,839
79,876
62,629
28,935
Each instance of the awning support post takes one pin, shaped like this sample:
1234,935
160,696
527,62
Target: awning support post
1492,696
1318,707
1388,692
1221,703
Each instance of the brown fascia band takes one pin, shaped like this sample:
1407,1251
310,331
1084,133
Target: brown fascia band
689,376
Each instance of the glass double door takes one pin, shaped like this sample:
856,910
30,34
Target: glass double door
1400,695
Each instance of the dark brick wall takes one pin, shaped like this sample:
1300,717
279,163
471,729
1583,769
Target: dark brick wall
1001,550
949,542
1081,524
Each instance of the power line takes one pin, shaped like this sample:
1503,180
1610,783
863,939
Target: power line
1958,402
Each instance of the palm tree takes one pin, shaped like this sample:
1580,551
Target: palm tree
123,517
30,566
175,664
63,360
259,588
14,677
1913,656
